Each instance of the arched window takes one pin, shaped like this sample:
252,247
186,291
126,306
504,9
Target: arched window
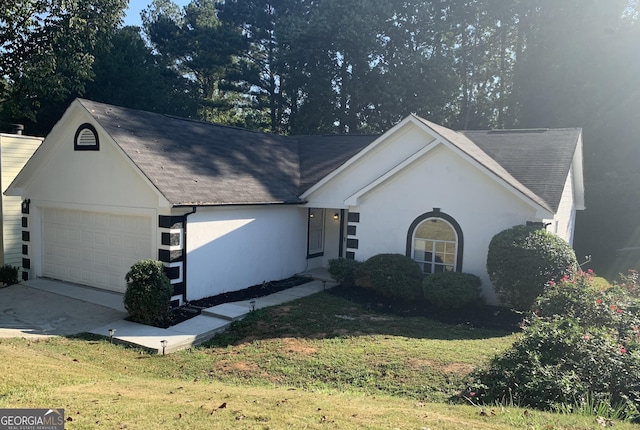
435,241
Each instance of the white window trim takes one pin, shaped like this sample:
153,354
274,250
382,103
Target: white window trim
318,251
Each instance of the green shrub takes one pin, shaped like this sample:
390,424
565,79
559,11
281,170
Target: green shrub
343,270
579,297
452,290
148,294
8,275
522,259
392,275
580,349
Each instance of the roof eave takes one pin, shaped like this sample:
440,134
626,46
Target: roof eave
227,204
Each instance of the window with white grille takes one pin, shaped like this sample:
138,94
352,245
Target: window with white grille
316,232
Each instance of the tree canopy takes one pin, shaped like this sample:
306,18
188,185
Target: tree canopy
299,66
47,49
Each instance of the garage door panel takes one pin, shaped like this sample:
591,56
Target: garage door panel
91,248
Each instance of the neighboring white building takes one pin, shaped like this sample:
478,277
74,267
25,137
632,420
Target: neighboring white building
226,208
15,150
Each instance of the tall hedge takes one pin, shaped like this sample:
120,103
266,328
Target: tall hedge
522,259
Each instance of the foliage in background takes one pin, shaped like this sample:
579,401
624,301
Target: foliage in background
394,276
148,293
579,350
452,290
343,270
128,73
522,259
47,50
193,42
301,67
8,275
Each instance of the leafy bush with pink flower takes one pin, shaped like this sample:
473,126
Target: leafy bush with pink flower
580,348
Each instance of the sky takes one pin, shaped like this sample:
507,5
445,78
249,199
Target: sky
132,16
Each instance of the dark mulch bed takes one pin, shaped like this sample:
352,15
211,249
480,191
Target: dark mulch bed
194,308
486,317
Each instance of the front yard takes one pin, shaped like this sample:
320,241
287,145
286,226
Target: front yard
319,362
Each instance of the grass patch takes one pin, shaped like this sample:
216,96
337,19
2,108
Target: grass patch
328,343
339,366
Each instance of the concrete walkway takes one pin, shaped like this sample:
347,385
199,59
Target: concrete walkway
203,327
110,309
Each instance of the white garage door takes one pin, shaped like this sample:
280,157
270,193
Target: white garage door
92,248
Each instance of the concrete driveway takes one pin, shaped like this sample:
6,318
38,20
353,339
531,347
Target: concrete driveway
43,307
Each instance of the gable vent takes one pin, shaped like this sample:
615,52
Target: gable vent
86,138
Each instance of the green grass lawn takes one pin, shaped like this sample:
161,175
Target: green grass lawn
319,362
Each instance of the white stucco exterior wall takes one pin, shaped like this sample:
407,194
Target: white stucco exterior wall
387,154
564,221
102,182
444,180
94,180
231,248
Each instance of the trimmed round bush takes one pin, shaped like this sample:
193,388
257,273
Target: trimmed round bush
343,270
452,290
148,294
394,276
522,259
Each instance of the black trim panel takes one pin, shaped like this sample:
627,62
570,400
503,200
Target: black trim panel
351,230
166,221
26,236
171,239
167,256
351,255
354,217
352,243
178,288
172,272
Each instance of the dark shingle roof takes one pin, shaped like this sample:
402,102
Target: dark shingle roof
198,163
539,159
321,155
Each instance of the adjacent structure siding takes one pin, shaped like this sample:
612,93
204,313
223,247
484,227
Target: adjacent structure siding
15,151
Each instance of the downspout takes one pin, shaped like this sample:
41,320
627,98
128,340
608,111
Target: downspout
184,252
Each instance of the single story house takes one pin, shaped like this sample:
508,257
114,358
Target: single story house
226,208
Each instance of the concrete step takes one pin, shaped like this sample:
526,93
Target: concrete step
227,311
